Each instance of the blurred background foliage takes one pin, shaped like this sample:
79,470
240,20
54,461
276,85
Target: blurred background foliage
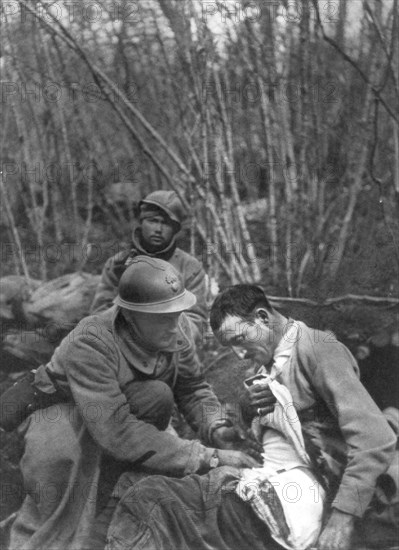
276,122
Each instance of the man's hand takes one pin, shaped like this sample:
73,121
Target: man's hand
238,459
236,438
337,533
258,399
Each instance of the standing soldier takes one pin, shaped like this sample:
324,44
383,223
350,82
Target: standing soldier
161,216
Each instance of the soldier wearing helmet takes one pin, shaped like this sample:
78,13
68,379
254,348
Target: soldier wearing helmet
161,216
121,372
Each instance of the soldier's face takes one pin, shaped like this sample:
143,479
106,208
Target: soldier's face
156,232
157,331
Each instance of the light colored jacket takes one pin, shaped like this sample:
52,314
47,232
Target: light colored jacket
323,379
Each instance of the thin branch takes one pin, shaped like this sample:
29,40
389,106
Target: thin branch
114,88
90,204
347,58
388,54
100,79
378,181
275,300
14,230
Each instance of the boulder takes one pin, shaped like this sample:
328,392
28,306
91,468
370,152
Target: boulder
14,290
31,347
63,301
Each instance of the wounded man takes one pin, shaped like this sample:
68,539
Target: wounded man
326,446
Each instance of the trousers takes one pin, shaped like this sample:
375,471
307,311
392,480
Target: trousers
193,513
66,477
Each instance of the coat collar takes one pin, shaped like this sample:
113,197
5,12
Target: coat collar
142,359
284,349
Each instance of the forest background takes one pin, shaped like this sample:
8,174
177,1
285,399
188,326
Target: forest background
276,122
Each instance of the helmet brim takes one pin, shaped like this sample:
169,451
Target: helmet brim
176,304
162,207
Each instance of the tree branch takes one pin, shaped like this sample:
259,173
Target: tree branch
377,300
347,58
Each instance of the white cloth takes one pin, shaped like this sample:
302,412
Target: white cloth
301,499
284,419
286,473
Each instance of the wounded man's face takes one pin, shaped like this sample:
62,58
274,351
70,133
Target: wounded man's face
250,339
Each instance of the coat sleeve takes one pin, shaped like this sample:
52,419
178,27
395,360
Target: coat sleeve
195,397
90,363
369,440
195,283
107,288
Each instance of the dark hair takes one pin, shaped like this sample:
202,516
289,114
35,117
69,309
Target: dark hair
240,300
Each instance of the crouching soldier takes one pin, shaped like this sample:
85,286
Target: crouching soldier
120,372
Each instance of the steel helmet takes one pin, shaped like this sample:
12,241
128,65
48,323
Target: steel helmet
167,201
151,285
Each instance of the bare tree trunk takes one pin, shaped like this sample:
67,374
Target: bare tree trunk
340,29
67,149
228,162
14,230
33,211
254,65
356,185
395,132
87,226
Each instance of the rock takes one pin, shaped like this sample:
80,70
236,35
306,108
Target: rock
45,315
63,301
33,347
255,210
14,290
387,335
123,193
